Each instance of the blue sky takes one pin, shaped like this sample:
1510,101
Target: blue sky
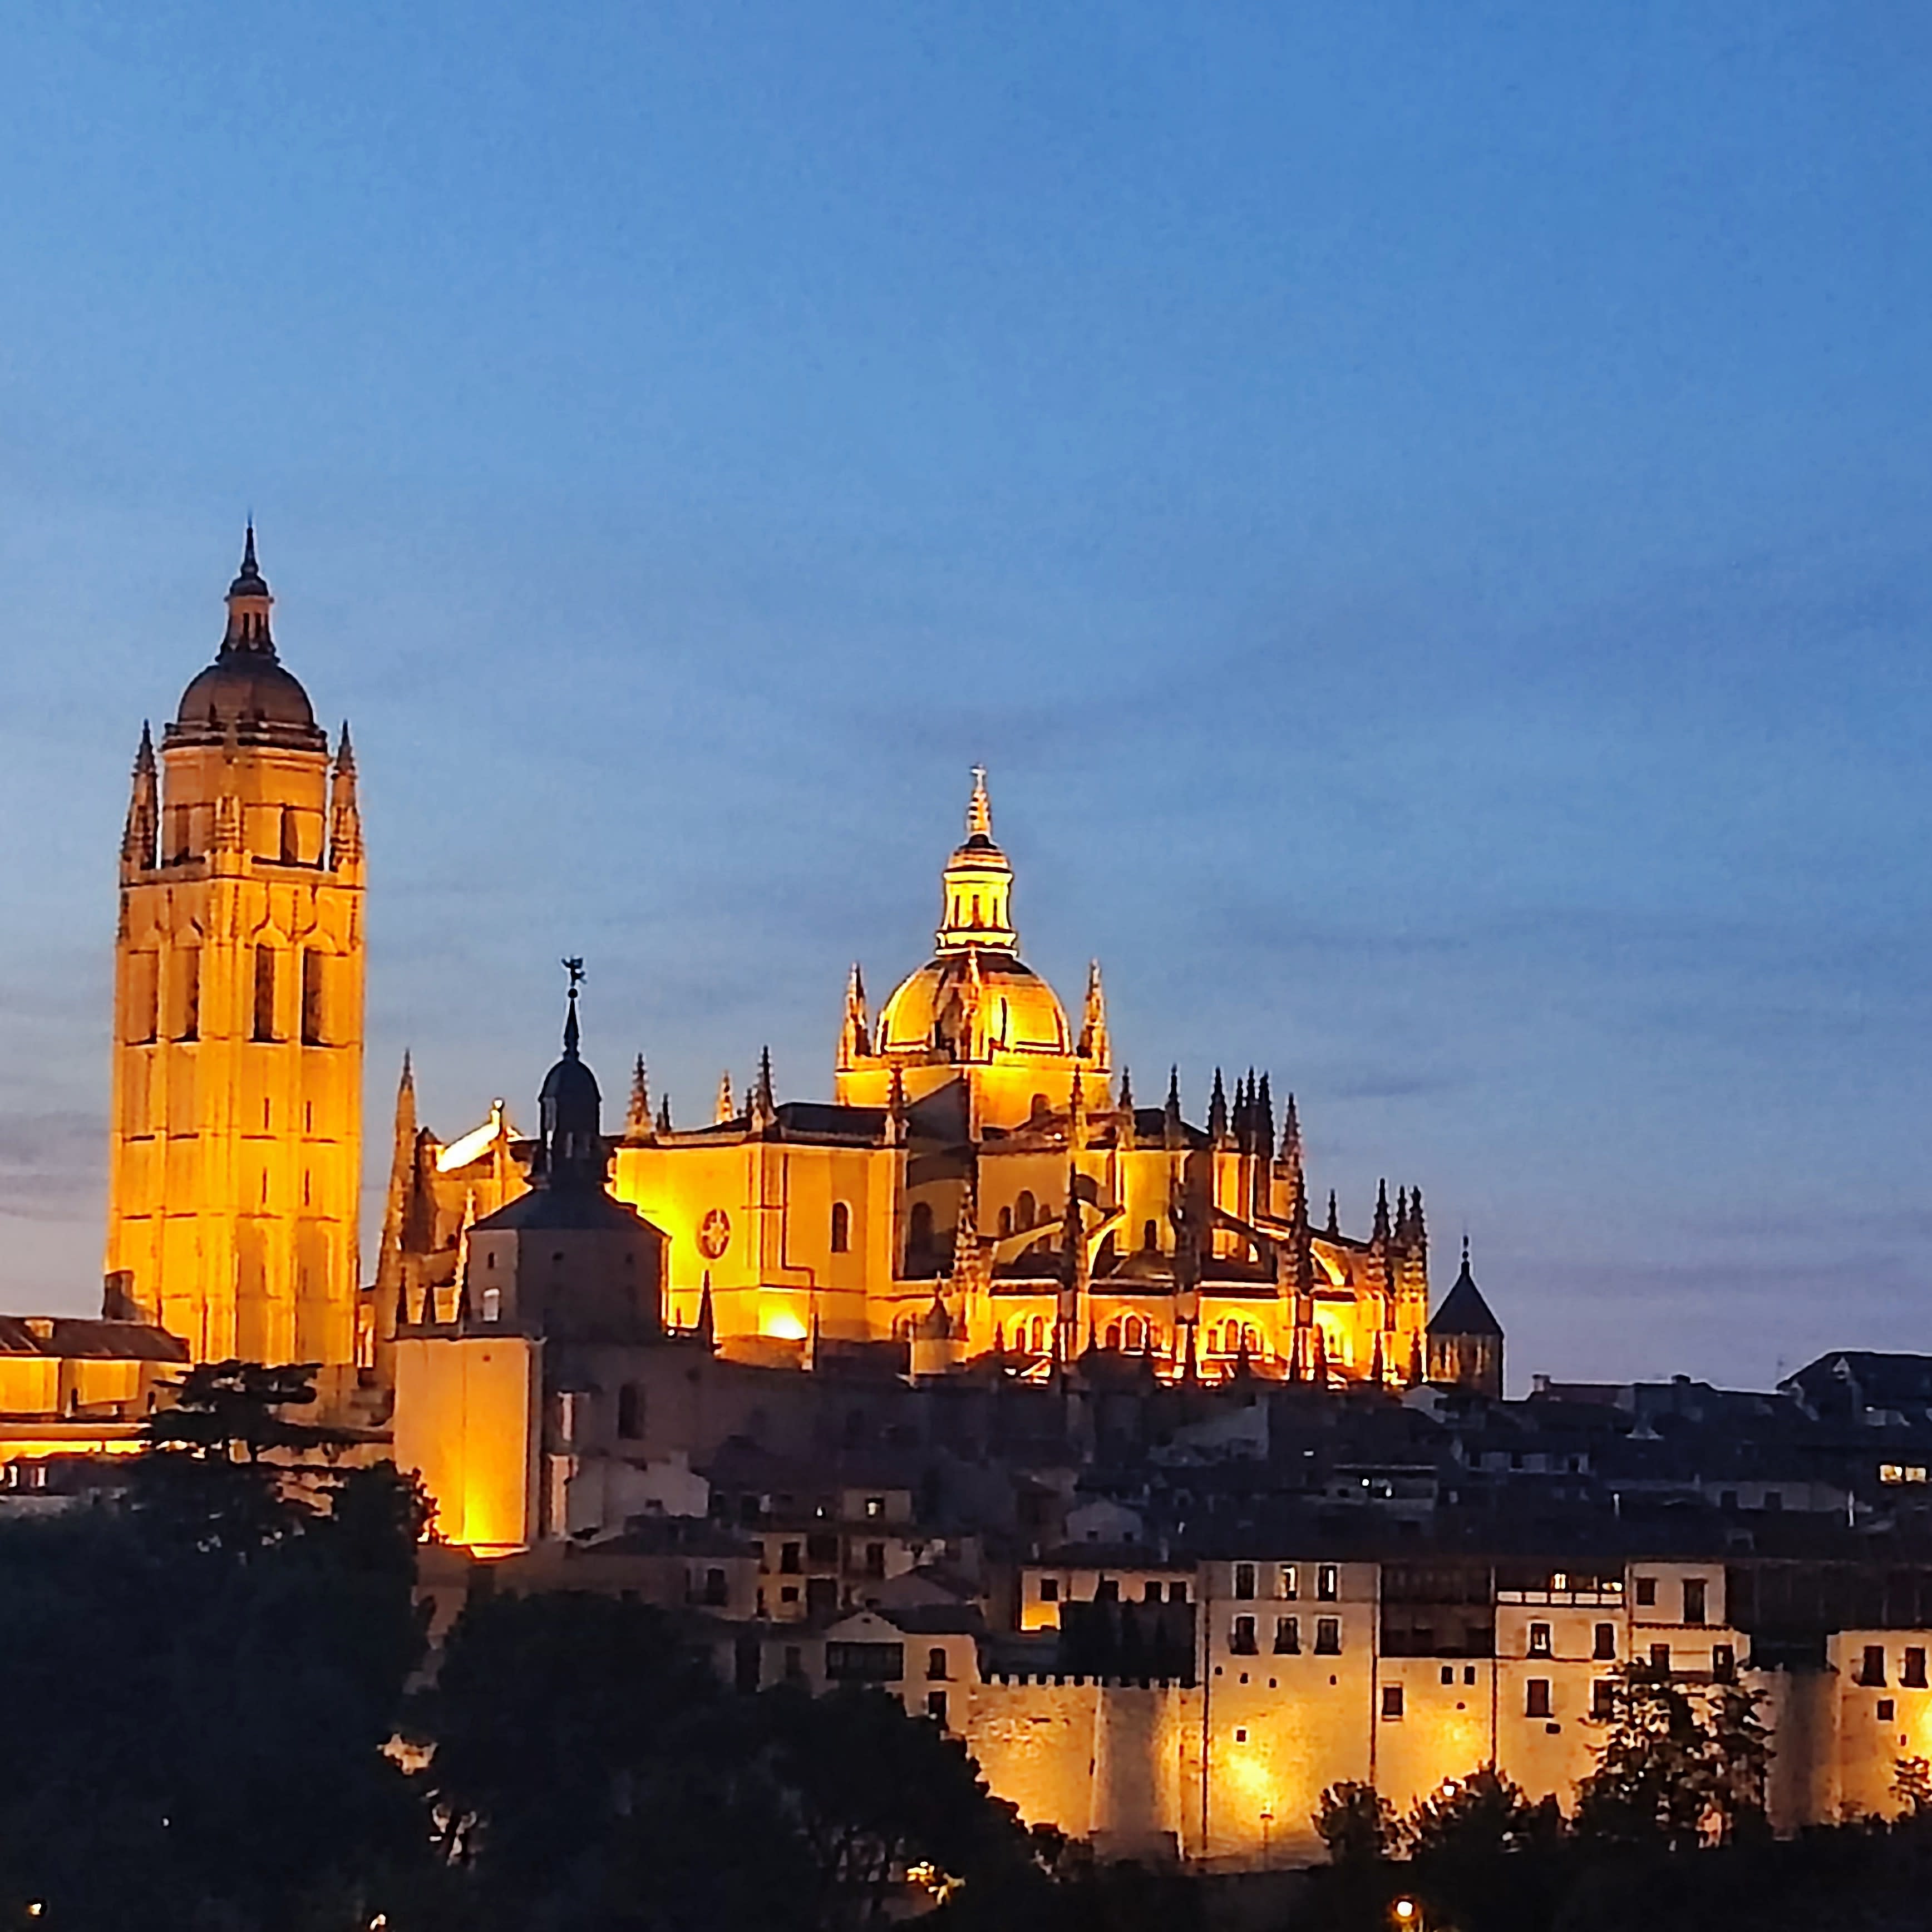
1422,510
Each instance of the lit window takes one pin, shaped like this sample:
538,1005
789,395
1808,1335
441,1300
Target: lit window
1539,1639
1289,1582
1890,1472
492,1304
1327,1583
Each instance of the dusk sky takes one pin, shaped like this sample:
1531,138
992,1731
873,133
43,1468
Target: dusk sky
1422,510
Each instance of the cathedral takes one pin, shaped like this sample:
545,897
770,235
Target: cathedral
982,1189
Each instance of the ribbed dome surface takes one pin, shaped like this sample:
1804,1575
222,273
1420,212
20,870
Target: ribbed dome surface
1018,1010
250,693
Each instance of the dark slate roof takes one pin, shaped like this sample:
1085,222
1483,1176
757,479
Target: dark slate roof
1464,1311
561,1207
1882,1380
96,1339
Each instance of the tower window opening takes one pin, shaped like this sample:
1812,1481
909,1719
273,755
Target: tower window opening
189,997
143,987
307,1180
1150,1238
1023,1210
919,1239
313,974
1005,1221
291,848
492,1304
265,993
1134,1333
842,1227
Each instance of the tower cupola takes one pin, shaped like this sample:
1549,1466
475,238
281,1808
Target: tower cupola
248,691
976,889
570,1152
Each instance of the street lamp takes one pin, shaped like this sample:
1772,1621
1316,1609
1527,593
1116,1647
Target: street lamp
1407,1913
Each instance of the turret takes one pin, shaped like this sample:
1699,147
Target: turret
139,837
1465,1340
855,1034
762,1107
638,1114
345,816
1217,1114
1094,1048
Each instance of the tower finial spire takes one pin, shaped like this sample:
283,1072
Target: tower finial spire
980,807
574,967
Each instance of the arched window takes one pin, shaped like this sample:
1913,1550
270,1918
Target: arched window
841,1228
1005,1221
1114,1335
1133,1332
1023,1209
1036,1335
1150,1236
919,1239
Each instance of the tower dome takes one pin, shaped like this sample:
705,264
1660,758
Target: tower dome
570,1152
247,691
975,1008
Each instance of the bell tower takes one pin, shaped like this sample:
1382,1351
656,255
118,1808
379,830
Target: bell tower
235,1148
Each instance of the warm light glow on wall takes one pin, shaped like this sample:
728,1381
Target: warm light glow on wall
781,1321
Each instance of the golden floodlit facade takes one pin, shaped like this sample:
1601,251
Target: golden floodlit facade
235,1143
980,1186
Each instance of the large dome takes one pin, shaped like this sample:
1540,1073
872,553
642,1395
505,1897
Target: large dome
1019,1012
253,692
247,691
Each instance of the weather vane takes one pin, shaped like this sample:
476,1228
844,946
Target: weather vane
574,967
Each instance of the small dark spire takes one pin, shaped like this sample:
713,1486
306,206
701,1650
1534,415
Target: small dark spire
574,967
1217,1112
664,1115
1334,1217
1418,1229
1126,1091
250,568
1170,1133
707,1320
1291,1136
1263,1119
637,1115
1402,1214
1381,1230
